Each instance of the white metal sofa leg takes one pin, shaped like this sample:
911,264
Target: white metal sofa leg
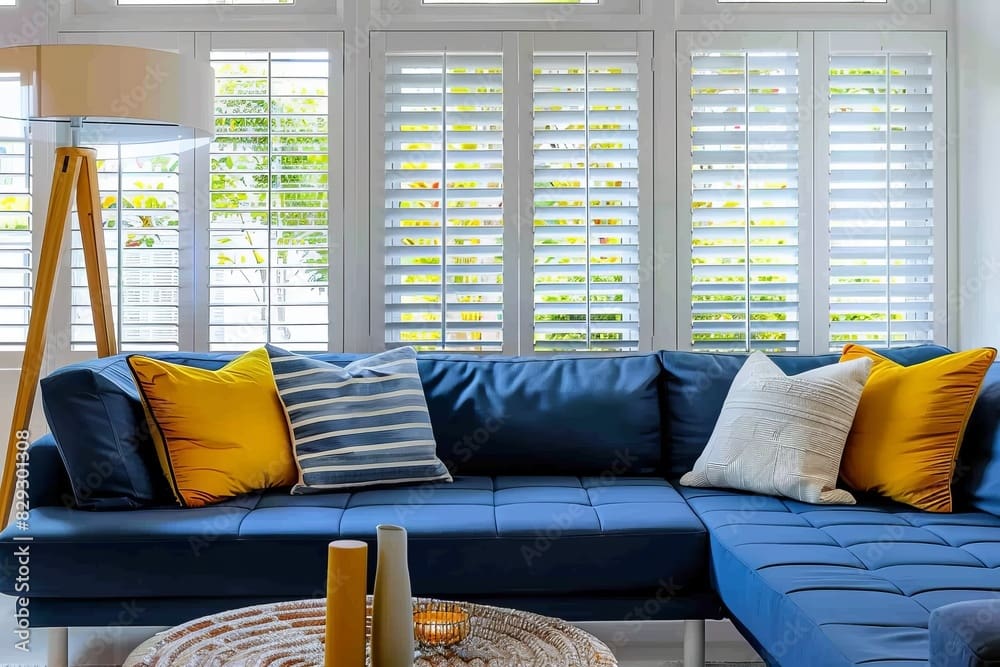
694,643
58,655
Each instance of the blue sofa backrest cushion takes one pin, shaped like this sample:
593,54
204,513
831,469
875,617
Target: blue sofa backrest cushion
96,417
584,415
696,385
579,415
977,477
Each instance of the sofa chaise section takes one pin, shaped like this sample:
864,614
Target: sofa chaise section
844,585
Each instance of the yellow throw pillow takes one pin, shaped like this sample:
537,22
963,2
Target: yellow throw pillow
218,434
910,424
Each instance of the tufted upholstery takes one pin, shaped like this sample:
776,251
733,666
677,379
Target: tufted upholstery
848,585
480,536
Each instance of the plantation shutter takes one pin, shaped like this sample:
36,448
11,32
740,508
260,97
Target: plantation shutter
744,145
443,196
140,210
269,200
586,200
15,218
885,208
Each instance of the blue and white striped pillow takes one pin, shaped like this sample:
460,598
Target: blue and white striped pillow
365,424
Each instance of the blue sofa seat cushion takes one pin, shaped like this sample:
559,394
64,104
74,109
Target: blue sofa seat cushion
480,536
836,586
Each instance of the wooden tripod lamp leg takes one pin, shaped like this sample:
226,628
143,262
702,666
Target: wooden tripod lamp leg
65,177
88,208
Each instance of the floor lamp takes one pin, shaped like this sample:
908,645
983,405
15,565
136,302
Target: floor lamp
103,95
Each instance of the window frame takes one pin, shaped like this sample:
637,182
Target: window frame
382,44
803,43
519,250
867,42
815,47
101,15
205,44
193,189
891,8
550,12
669,21
14,350
642,43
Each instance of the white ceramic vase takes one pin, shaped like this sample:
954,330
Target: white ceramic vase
392,604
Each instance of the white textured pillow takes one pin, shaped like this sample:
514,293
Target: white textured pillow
781,435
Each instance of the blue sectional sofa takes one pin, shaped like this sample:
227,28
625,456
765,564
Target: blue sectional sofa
564,503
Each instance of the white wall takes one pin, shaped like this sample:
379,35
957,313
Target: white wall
979,168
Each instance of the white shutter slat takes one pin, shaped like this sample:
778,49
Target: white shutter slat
586,201
724,155
745,201
882,199
919,215
269,201
443,201
140,202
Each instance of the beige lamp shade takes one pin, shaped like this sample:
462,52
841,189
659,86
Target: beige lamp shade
120,93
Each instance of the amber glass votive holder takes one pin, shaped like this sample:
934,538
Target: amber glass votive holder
440,624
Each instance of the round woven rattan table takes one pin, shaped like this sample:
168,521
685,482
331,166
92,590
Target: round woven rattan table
291,633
